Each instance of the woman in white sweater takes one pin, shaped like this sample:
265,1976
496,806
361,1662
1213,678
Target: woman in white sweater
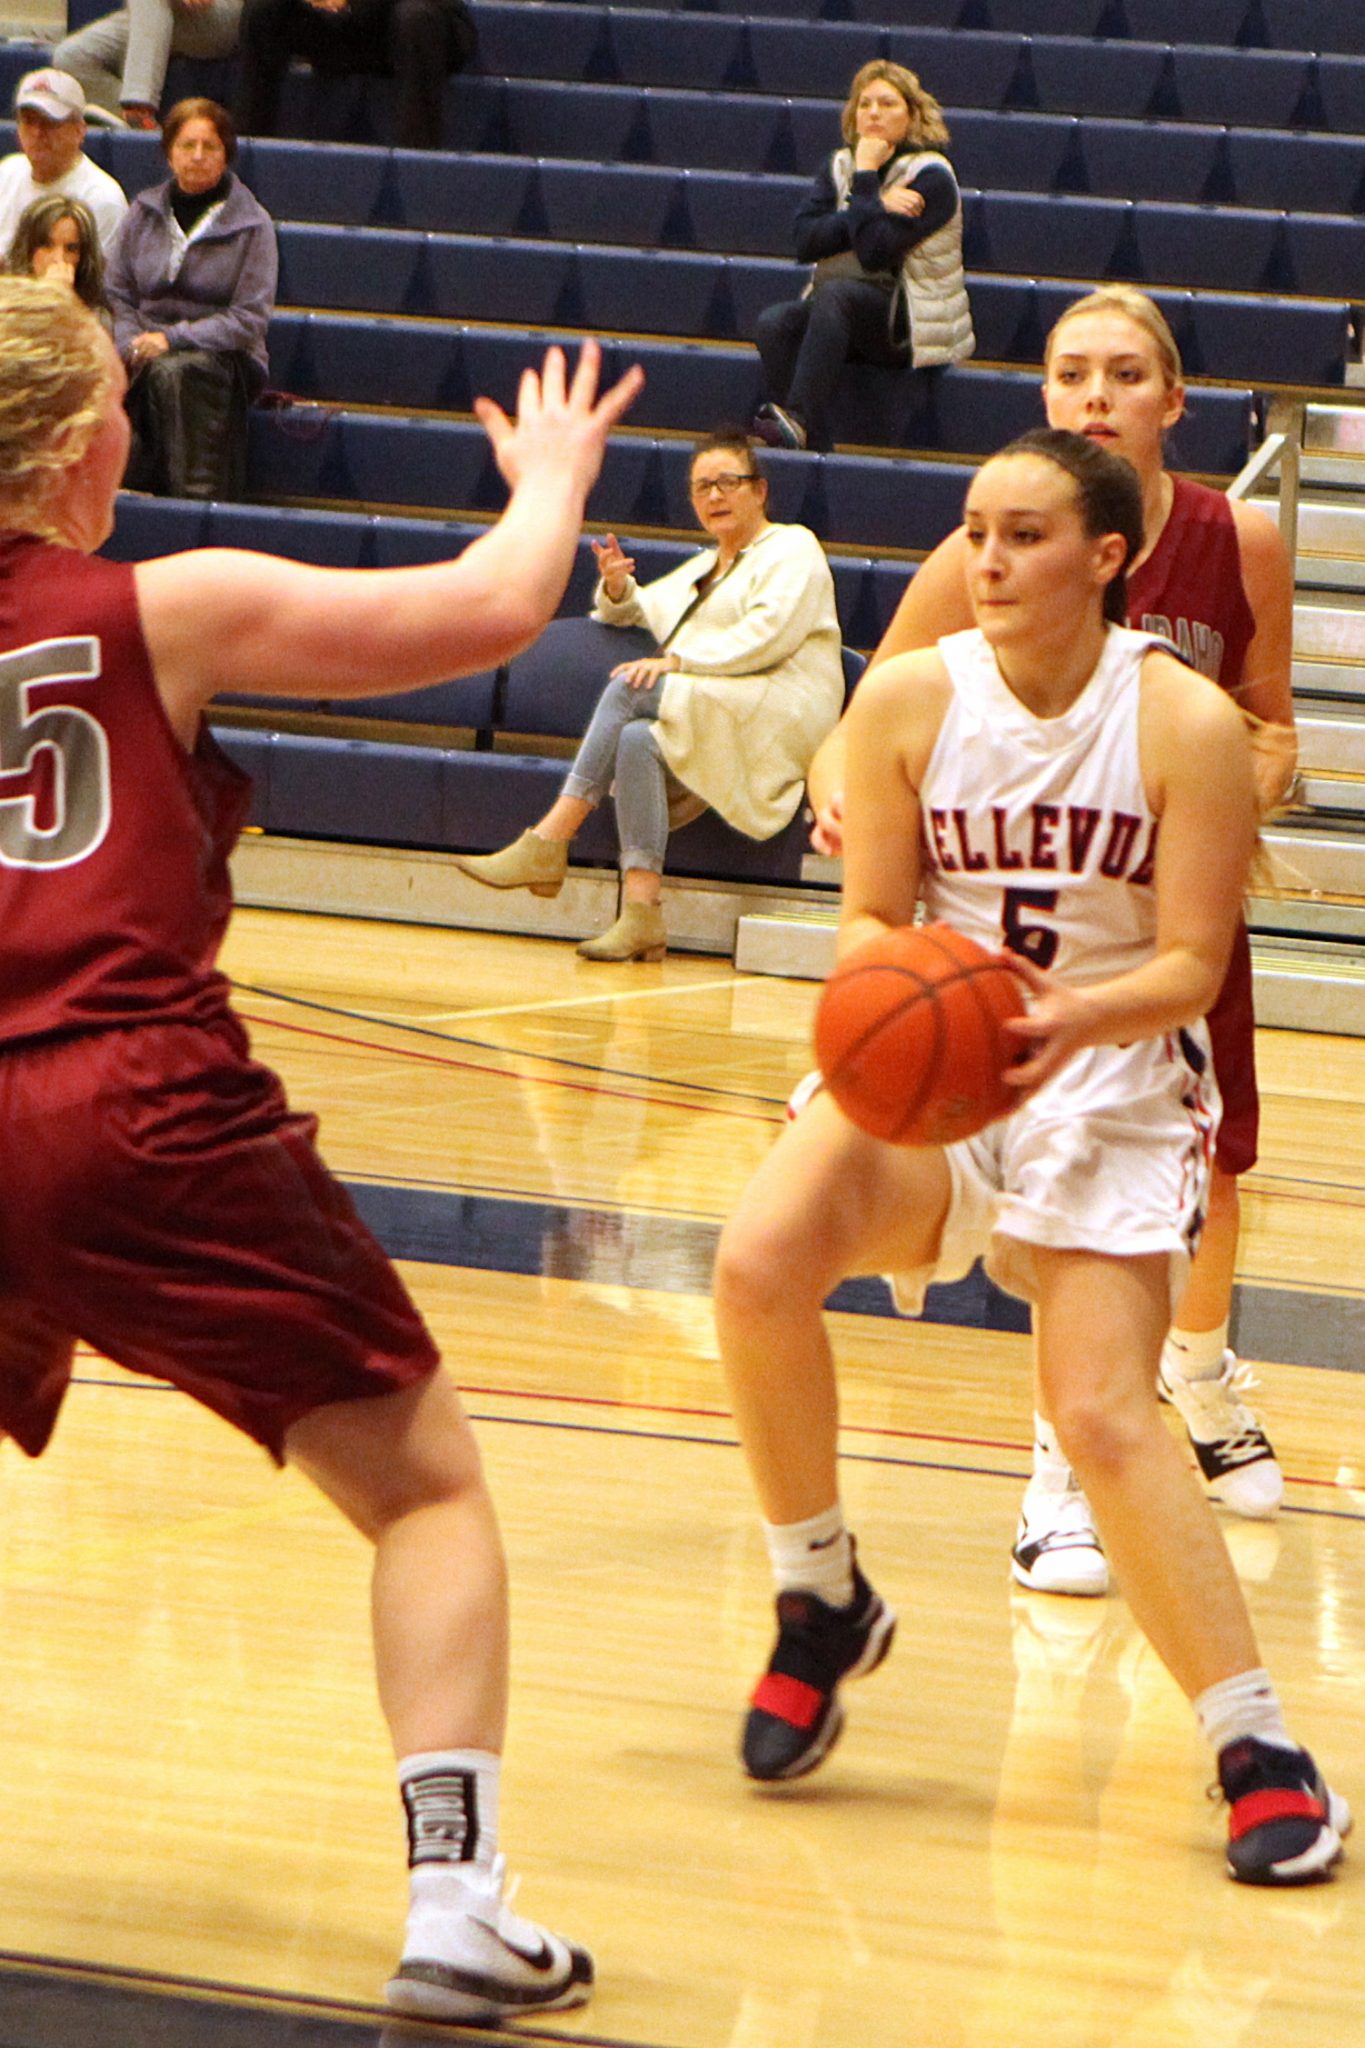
747,681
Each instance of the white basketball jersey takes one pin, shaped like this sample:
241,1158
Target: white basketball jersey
1037,831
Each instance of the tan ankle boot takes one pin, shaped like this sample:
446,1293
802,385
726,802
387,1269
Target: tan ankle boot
530,862
638,934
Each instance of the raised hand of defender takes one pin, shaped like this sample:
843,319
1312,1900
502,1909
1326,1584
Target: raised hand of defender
561,428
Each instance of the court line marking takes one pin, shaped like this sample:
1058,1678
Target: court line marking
643,995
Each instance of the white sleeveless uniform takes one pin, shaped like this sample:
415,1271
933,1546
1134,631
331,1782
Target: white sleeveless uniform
1038,836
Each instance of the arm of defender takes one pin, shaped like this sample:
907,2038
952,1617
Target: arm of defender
217,619
1266,693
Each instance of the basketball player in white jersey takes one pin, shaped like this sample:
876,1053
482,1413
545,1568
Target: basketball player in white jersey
1049,782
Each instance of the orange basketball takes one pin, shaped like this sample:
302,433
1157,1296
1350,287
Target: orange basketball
910,1036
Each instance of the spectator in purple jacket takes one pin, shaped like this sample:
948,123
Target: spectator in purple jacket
191,285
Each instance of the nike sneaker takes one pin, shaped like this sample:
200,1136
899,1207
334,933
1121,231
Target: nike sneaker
468,1957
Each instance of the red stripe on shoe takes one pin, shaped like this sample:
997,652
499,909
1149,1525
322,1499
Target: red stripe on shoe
789,1699
1275,1803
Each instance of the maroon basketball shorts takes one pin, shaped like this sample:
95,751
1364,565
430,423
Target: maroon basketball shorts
1232,1034
159,1201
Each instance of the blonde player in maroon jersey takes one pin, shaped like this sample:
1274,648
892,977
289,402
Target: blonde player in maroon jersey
138,1138
1212,577
1086,1199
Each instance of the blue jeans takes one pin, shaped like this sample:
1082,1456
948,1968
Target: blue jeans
620,746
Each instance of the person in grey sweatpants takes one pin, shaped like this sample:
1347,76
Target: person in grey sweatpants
121,59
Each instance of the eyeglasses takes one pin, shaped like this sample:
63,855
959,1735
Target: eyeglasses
727,485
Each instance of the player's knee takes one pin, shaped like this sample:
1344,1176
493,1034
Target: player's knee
760,1270
1099,1433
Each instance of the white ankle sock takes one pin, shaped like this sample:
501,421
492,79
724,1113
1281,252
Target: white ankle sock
450,1797
1050,1462
1240,1706
814,1556
1194,1354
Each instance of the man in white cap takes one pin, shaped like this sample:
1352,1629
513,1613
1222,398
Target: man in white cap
50,110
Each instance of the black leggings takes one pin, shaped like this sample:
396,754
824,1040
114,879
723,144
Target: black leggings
188,411
805,344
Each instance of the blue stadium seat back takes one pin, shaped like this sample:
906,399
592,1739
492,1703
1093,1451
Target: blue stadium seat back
333,107
531,284
147,527
373,792
741,216
330,540
745,135
16,59
412,543
298,181
1072,76
1285,344
1217,432
1028,233
1005,318
597,123
487,800
1050,17
296,453
358,362
468,701
928,13
644,293
1322,252
751,283
817,60
252,750
1132,160
1177,21
631,489
1256,88
553,687
1216,248
138,161
1309,173
447,194
1341,93
853,665
814,128
886,587
706,53
955,411
973,68
441,463
475,113
710,849
870,501
639,203
362,270
555,42
690,389
1016,152
1327,26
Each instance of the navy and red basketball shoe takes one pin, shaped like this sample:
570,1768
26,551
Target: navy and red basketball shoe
1284,1825
795,1717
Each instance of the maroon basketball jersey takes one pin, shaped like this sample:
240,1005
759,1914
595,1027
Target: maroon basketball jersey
114,841
1189,589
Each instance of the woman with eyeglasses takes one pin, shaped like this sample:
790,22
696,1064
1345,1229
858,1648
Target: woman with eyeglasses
747,681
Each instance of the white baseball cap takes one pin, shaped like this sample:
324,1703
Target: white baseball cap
55,94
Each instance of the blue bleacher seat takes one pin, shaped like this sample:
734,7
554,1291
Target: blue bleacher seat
1018,152
326,787
743,216
553,687
539,41
530,283
1321,252
1141,160
377,272
628,289
1055,17
342,184
1071,76
1321,25
817,60
470,701
252,750
571,201
649,46
1031,233
1258,88
147,527
331,540
967,69
1307,173
1175,21
599,123
734,133
1222,249
1341,94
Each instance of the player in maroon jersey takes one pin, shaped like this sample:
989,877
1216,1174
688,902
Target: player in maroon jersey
1214,578
160,1201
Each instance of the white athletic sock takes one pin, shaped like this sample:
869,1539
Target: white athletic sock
814,1556
1194,1354
450,1797
1050,1463
1241,1706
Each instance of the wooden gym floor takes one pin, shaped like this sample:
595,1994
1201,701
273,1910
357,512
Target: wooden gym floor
201,1842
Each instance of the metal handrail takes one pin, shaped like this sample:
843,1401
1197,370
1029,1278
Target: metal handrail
1282,450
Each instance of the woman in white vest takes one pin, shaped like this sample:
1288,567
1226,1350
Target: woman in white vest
883,227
